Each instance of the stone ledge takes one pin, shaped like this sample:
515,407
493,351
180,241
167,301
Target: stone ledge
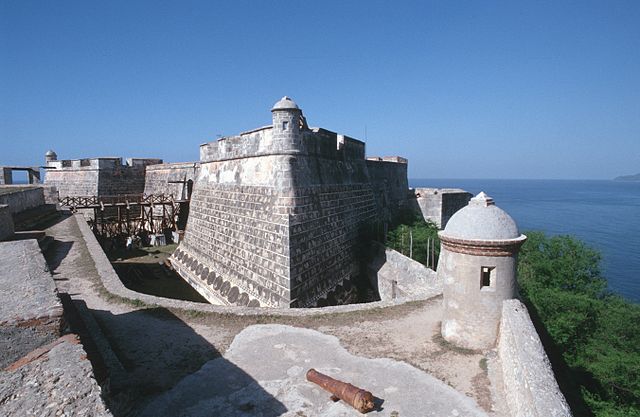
530,385
113,285
55,379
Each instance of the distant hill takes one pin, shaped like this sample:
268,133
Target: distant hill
628,178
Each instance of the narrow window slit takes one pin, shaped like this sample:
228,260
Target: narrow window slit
486,276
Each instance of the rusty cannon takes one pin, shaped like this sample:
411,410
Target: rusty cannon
356,397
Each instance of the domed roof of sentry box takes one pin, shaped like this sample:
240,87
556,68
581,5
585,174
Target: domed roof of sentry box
481,219
285,103
50,153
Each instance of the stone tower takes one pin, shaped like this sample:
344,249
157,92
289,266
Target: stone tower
279,214
286,117
478,267
50,156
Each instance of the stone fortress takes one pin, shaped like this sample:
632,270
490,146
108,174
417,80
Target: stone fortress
96,176
279,217
278,213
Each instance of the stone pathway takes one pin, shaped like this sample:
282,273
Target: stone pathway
161,350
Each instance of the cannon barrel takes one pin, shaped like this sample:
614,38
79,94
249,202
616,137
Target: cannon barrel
356,397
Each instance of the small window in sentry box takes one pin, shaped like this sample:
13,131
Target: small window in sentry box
487,277
285,125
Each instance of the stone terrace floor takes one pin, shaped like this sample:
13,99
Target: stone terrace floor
157,347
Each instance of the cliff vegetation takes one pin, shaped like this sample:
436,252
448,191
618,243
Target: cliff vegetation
416,238
591,335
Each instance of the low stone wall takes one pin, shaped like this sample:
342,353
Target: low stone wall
6,222
530,385
398,276
21,198
112,284
30,311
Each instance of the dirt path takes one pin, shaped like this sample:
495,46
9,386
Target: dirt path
158,347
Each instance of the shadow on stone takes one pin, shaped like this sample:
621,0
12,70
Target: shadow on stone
157,350
55,254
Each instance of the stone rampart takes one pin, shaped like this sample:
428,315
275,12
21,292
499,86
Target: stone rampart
6,222
21,197
112,283
260,142
390,175
530,386
73,182
439,204
279,214
171,179
397,276
98,176
284,230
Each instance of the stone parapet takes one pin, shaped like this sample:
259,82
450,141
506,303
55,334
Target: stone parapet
30,311
111,282
397,276
530,385
21,197
98,176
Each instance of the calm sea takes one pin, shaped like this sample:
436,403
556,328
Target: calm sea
604,214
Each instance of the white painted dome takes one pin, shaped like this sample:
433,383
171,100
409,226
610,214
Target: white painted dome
481,219
285,103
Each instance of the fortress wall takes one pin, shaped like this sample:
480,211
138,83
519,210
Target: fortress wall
254,143
326,238
157,179
439,204
392,177
21,198
120,180
397,276
237,235
335,205
260,142
281,213
73,181
531,387
6,222
98,176
284,229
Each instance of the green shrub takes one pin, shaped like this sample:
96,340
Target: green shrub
595,332
412,236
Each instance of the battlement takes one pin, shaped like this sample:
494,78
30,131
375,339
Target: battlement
100,163
395,159
316,141
97,176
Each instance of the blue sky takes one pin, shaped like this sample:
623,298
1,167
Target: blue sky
463,89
